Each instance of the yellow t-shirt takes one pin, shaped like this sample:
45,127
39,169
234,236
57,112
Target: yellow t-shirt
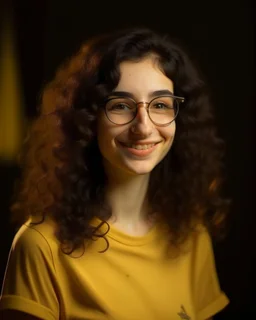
133,280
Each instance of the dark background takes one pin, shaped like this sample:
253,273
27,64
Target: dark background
219,35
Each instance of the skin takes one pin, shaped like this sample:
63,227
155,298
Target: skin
128,174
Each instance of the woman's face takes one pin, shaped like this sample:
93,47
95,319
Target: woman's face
120,145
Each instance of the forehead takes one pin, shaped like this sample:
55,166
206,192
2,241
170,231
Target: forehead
142,77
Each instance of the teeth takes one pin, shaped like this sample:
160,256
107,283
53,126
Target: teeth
141,146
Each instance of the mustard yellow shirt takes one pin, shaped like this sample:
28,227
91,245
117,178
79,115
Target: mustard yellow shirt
133,280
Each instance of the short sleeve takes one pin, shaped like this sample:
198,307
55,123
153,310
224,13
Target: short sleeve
30,283
209,298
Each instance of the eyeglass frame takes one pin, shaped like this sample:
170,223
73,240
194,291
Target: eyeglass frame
178,99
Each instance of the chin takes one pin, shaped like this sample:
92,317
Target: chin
139,169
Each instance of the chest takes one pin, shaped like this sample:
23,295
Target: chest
127,285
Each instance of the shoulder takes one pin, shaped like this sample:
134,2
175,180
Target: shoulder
208,296
35,237
203,245
202,252
199,247
201,239
31,274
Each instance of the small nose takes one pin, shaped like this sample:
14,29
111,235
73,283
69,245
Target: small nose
142,124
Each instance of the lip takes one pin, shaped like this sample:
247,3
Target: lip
139,142
142,152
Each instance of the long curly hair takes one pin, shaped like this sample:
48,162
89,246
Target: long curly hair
62,171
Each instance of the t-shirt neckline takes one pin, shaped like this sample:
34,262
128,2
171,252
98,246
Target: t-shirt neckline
125,238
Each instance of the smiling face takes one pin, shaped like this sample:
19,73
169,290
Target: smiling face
137,147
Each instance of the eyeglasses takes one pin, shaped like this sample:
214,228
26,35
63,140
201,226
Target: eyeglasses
162,110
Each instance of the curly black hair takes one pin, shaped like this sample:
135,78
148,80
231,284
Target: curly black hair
62,171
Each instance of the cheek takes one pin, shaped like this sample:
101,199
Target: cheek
168,133
108,133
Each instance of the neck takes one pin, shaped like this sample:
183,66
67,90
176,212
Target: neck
127,197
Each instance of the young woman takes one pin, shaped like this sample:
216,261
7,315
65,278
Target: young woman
121,190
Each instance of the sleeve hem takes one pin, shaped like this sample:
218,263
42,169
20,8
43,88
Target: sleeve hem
27,306
216,306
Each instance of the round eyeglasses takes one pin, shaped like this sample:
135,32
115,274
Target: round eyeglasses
162,110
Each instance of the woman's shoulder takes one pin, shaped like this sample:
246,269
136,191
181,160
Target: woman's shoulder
201,242
198,242
33,235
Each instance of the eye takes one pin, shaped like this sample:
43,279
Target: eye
160,105
120,106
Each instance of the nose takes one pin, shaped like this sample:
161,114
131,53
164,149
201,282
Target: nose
142,124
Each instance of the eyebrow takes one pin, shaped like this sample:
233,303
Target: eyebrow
126,94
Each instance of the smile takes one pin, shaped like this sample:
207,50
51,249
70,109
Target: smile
139,150
140,146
